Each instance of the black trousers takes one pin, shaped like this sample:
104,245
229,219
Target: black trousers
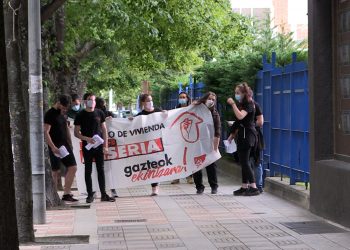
212,177
246,165
89,156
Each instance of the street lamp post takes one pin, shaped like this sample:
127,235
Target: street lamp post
36,112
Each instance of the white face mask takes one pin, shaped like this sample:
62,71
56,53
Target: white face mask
76,107
209,103
89,103
149,105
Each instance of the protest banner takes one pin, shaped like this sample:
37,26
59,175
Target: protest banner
158,147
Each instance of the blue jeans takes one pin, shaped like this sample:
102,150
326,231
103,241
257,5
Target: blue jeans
258,171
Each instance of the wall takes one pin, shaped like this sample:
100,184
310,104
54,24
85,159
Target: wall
329,178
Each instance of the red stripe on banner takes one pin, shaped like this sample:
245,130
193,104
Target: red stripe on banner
185,156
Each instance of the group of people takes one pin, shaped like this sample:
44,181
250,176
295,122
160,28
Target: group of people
89,121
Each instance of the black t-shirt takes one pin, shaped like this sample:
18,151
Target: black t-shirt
247,133
249,120
258,111
90,122
58,130
144,112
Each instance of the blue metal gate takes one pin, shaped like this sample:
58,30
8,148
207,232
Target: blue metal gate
283,95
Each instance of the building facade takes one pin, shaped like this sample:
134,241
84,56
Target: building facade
329,76
286,15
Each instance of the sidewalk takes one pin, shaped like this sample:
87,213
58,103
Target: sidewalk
180,219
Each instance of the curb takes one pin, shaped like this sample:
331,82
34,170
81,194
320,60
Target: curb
273,185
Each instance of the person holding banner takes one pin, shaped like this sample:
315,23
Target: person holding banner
184,101
209,99
58,139
101,105
90,127
146,102
244,129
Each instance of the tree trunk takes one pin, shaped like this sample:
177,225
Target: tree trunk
66,75
67,80
8,232
19,128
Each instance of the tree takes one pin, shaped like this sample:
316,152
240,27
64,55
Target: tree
8,232
17,62
141,37
242,64
19,126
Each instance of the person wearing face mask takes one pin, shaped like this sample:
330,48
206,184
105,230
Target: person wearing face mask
246,136
146,103
209,99
76,107
57,134
88,123
101,105
184,101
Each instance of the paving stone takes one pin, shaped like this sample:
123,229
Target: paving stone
54,247
179,219
168,245
241,247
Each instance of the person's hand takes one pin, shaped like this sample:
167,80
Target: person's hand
90,140
130,118
105,151
55,151
230,101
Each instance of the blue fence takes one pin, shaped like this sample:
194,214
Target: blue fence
283,94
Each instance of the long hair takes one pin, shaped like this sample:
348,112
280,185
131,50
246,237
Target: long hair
142,98
204,98
188,99
246,92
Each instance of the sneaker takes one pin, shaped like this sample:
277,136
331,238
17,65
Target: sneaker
261,190
69,197
155,191
240,191
200,190
175,181
114,193
90,198
106,197
252,192
189,180
214,191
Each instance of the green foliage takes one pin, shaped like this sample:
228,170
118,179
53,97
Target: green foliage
243,64
147,39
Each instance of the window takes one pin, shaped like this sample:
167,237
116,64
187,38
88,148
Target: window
346,122
345,87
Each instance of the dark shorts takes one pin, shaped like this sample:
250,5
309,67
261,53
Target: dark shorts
67,161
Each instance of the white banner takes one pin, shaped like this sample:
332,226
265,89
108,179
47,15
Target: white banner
158,147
